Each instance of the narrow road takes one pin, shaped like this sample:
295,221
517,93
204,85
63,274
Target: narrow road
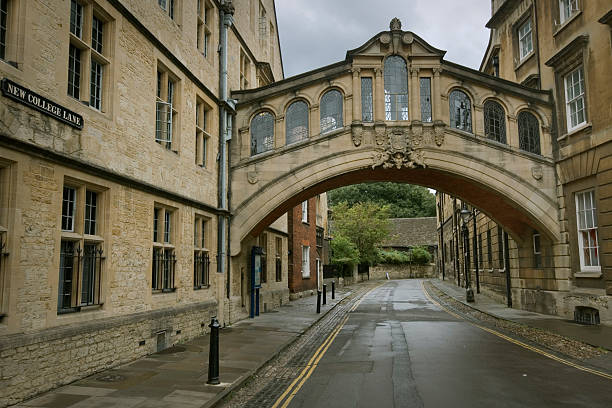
398,349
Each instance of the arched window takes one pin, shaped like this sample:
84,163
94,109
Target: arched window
331,111
460,110
495,121
529,132
262,133
396,88
296,122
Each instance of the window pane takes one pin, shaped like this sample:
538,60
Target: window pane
460,111
74,71
95,98
76,18
425,99
3,25
495,121
529,132
396,88
96,34
331,111
90,212
66,270
367,108
68,207
296,119
167,227
262,133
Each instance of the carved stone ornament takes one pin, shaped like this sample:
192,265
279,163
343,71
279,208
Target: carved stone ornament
380,135
395,24
357,135
536,172
439,134
252,177
399,152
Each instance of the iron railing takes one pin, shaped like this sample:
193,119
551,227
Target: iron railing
201,270
279,269
80,276
164,262
3,254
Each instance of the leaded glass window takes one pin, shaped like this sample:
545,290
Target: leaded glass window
296,122
396,88
331,111
460,111
529,132
425,99
262,133
494,120
367,109
3,27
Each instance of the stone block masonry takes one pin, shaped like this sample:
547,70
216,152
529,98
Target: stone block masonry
39,361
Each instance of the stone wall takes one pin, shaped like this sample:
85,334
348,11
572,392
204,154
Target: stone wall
39,361
378,272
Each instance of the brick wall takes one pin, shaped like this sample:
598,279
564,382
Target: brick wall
302,234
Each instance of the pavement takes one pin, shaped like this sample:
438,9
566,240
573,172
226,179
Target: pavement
598,336
176,377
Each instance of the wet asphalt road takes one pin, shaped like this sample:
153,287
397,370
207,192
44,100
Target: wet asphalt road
398,349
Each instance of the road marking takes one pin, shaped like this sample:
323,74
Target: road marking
518,342
314,360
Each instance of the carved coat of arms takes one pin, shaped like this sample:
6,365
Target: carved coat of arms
398,152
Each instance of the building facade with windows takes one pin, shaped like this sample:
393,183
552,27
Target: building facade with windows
562,46
111,163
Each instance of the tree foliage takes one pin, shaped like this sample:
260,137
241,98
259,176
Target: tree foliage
416,256
366,225
404,200
344,253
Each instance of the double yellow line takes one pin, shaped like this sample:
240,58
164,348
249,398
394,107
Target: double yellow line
520,343
293,389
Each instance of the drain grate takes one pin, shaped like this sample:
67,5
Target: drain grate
111,378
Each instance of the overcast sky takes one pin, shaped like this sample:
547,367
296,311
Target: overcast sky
315,33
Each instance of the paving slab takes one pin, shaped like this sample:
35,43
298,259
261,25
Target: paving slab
176,377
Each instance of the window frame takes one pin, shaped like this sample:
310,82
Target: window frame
305,262
527,140
6,221
582,96
167,97
490,109
294,113
467,122
563,18
367,99
278,261
83,260
426,107
201,252
163,269
579,236
202,132
536,239
267,140
305,212
325,106
204,30
397,102
523,36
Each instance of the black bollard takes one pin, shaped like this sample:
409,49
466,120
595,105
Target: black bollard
333,289
324,294
213,355
318,301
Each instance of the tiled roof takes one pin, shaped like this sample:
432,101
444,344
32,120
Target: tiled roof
409,232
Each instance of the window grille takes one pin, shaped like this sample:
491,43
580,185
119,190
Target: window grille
529,132
80,276
3,27
278,261
367,107
396,88
201,269
460,111
495,121
537,251
500,247
296,121
525,41
489,250
263,243
574,98
331,111
3,274
588,241
425,99
480,258
164,262
262,133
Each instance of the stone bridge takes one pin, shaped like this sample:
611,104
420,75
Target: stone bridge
395,110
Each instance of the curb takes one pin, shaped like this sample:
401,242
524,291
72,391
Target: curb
515,322
241,381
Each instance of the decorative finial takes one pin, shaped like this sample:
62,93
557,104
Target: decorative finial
395,24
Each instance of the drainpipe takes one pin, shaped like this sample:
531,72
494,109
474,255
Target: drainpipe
441,246
226,12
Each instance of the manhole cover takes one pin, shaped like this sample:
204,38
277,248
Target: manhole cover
109,378
172,350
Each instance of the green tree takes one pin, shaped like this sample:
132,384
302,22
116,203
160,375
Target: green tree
344,253
366,225
404,200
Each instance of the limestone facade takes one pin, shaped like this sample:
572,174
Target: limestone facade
109,230
566,51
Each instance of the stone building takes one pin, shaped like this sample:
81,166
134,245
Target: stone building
561,46
114,121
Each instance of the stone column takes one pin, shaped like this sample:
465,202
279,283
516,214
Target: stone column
415,95
315,120
356,95
379,96
436,98
279,131
512,137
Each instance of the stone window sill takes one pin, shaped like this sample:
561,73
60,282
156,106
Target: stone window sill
567,22
588,274
524,60
580,128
